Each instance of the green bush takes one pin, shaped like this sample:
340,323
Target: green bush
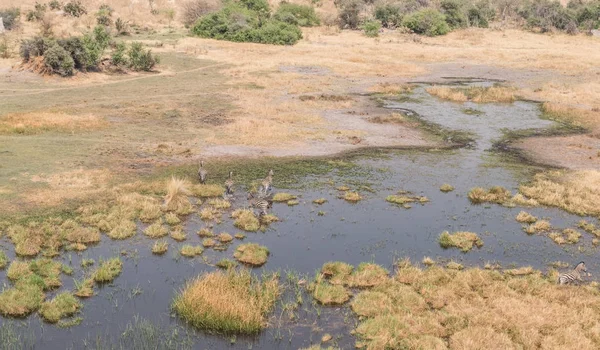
55,5
261,6
587,14
546,15
74,8
77,49
140,59
301,15
455,12
10,17
59,60
37,13
389,15
277,33
118,57
349,14
428,21
34,47
104,14
371,28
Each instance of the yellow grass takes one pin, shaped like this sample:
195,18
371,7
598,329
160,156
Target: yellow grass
245,220
230,302
190,251
352,196
37,122
538,226
160,247
446,188
567,113
251,254
525,217
462,240
176,199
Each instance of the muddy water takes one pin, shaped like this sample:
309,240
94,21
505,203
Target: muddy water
371,230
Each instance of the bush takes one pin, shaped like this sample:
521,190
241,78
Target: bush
37,13
193,10
76,48
118,57
104,14
122,27
275,32
10,17
546,15
55,5
455,12
427,21
301,15
587,14
389,15
34,47
371,28
349,14
95,44
260,6
139,59
74,8
59,60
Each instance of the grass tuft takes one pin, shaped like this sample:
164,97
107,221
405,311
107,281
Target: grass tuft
537,227
446,188
453,265
246,220
239,236
337,272
320,201
191,251
206,191
108,270
496,194
176,199
525,217
251,254
589,228
156,230
232,302
352,196
84,288
160,247
427,261
226,264
3,260
367,275
478,94
219,203
178,234
462,240
329,294
209,242
283,197
205,232
172,219
224,237
63,305
21,300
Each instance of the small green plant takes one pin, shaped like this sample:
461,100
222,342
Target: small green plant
160,247
140,59
55,5
104,14
119,58
371,28
74,8
3,259
252,254
37,13
389,15
428,21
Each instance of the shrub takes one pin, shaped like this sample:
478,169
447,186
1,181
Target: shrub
481,13
261,6
140,59
455,12
37,13
74,8
118,58
301,15
389,15
371,28
10,17
349,14
587,14
104,14
95,44
275,32
77,50
34,47
193,10
546,15
59,60
55,5
122,27
427,21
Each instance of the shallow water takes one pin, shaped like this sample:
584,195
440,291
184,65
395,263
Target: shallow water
371,230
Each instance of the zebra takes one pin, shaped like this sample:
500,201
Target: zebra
575,275
261,203
229,184
266,186
202,173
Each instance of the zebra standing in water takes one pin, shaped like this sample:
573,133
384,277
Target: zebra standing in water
202,173
267,183
575,275
229,184
260,202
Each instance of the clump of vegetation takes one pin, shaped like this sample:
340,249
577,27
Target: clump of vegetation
239,236
232,302
178,234
568,236
446,188
329,294
209,242
295,14
251,254
3,260
453,265
205,232
37,13
352,196
209,213
219,203
521,271
74,8
226,264
476,94
367,275
10,17
140,59
63,305
156,230
85,288
283,197
589,228
462,240
176,199
404,199
427,261
337,272
104,15
160,247
258,26
206,190
371,28
194,9
246,220
320,201
21,300
172,219
538,226
122,230
108,270
496,194
224,237
190,250
149,211
293,202
269,218
525,217
427,21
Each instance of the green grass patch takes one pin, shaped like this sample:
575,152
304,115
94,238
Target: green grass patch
251,254
462,240
63,305
108,270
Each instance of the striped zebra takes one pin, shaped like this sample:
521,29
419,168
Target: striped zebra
267,184
202,173
575,275
261,203
229,184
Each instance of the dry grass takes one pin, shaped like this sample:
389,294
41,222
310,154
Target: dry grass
367,275
337,272
462,240
205,232
149,211
224,237
84,288
538,226
209,213
496,194
75,233
330,294
160,247
404,200
239,236
172,219
352,196
176,199
251,254
226,264
567,236
576,192
453,265
178,234
39,122
21,300
474,94
108,270
63,305
219,203
3,260
525,218
446,188
123,230
589,228
391,88
234,302
191,251
156,230
576,116
283,197
209,243
427,261
320,201
393,118
245,220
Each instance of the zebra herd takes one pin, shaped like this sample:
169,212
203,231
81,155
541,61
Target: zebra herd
262,200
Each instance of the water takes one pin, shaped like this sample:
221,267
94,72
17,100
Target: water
371,230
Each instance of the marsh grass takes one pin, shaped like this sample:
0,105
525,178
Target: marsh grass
245,220
495,194
462,240
566,236
176,200
427,261
589,228
232,302
404,199
21,300
226,264
293,202
84,288
251,254
191,251
224,237
150,211
352,196
521,271
446,188
78,247
320,201
269,218
478,94
108,270
367,275
337,272
239,236
207,190
209,242
160,247
525,218
393,118
283,197
49,271
330,294
453,265
63,305
209,213
205,232
219,203
3,260
122,230
156,230
178,234
75,233
537,227
172,219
